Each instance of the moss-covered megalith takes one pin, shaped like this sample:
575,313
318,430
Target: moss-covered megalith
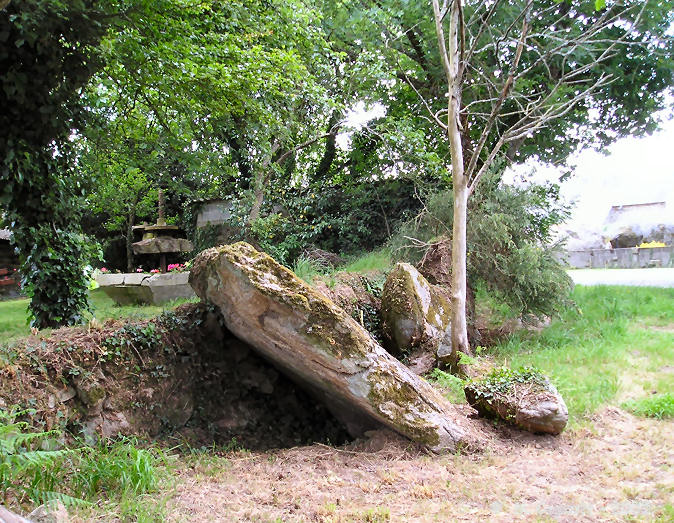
416,314
323,349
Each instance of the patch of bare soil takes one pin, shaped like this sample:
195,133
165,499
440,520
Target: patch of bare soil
620,470
667,327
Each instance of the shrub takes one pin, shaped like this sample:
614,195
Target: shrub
510,247
55,274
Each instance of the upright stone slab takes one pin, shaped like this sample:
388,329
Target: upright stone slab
416,314
323,349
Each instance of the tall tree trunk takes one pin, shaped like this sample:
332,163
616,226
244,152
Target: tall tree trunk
452,64
459,273
131,218
261,180
258,193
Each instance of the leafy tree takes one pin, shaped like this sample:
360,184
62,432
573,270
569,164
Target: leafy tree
237,86
529,79
47,56
548,60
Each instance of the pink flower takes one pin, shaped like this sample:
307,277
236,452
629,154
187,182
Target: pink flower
103,269
154,271
139,270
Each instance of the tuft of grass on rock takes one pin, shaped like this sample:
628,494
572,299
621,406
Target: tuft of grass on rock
451,386
308,270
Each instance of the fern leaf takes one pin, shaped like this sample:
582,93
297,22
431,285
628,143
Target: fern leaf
68,501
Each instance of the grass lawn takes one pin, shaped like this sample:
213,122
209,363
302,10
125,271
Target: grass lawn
617,347
14,315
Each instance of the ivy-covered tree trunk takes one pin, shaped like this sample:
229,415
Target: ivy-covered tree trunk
43,214
45,58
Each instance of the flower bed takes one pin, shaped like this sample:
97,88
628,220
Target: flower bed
172,267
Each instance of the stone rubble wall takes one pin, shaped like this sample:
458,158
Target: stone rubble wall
626,258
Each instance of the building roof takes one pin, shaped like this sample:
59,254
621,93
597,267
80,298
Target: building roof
629,206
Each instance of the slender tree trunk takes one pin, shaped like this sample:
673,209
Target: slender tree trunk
459,274
451,58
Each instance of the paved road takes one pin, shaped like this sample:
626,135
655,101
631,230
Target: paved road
658,277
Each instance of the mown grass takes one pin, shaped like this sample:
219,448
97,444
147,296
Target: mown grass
658,406
14,313
609,346
379,260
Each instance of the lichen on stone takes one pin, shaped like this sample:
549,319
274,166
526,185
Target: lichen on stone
522,397
400,403
280,283
414,311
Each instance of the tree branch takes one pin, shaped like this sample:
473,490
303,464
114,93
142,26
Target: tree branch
309,142
507,87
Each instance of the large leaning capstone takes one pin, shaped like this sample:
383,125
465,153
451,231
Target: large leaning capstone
323,349
6,516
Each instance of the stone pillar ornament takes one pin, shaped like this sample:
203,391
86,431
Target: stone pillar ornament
161,219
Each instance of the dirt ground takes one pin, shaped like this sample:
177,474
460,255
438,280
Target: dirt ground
619,469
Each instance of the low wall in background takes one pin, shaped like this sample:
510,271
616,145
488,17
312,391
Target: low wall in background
630,258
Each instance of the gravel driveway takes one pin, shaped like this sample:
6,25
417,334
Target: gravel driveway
657,277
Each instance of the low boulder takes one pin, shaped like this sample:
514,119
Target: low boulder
524,398
415,314
436,266
324,350
323,258
436,263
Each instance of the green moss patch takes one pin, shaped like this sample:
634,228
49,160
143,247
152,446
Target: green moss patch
497,394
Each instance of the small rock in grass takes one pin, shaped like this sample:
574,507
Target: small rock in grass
524,398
